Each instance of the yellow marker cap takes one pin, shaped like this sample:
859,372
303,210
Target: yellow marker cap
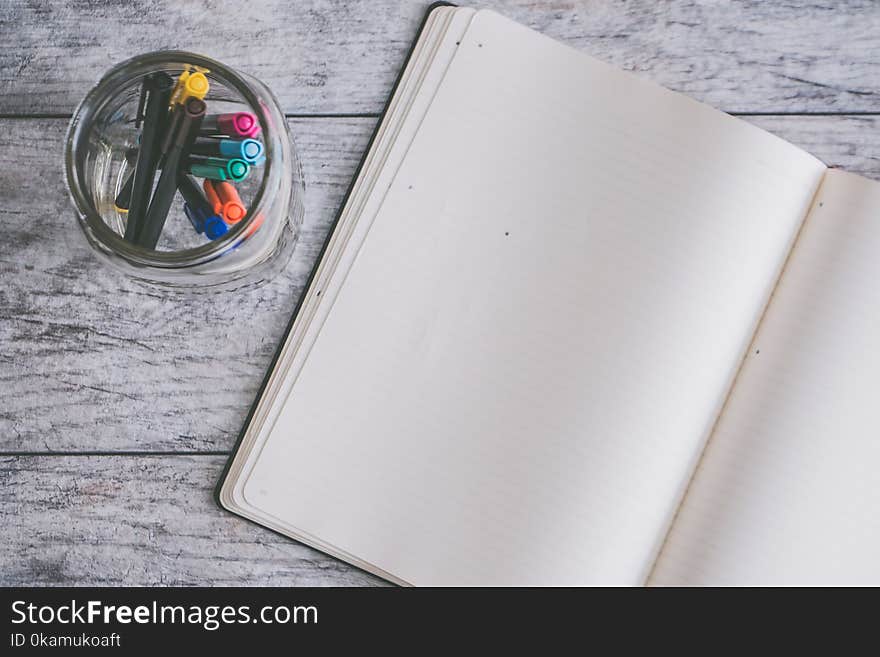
195,86
178,88
190,85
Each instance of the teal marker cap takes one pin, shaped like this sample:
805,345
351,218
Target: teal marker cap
215,168
238,170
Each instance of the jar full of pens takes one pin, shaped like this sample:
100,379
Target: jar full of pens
184,174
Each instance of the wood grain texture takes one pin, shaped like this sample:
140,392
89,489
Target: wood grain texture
342,57
141,521
847,142
93,361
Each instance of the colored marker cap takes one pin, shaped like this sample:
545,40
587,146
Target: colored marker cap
190,85
226,192
242,124
196,86
237,169
217,168
233,212
177,92
233,209
246,123
251,150
214,227
211,195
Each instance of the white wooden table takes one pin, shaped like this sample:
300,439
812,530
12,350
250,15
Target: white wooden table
119,405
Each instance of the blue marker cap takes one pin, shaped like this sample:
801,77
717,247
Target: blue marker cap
252,151
249,150
215,227
211,225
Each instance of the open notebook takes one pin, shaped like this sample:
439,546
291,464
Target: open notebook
573,328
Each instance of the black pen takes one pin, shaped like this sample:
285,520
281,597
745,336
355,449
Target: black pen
186,127
157,87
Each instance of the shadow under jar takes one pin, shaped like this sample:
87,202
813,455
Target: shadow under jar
101,140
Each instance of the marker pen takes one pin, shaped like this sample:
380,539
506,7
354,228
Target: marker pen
236,124
157,89
190,85
224,200
185,133
249,150
192,195
211,225
218,169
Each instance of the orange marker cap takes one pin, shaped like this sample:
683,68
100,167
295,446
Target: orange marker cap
233,209
212,196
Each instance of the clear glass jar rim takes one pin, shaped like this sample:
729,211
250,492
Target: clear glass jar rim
109,84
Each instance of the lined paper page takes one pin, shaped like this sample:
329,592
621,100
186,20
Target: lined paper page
789,489
537,333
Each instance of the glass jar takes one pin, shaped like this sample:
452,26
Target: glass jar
101,152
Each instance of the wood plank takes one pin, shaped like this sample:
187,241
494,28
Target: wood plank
141,521
343,57
93,362
847,142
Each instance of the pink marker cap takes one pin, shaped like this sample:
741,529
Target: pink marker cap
242,124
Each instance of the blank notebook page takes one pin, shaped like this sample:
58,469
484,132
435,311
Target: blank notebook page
788,491
430,58
528,352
